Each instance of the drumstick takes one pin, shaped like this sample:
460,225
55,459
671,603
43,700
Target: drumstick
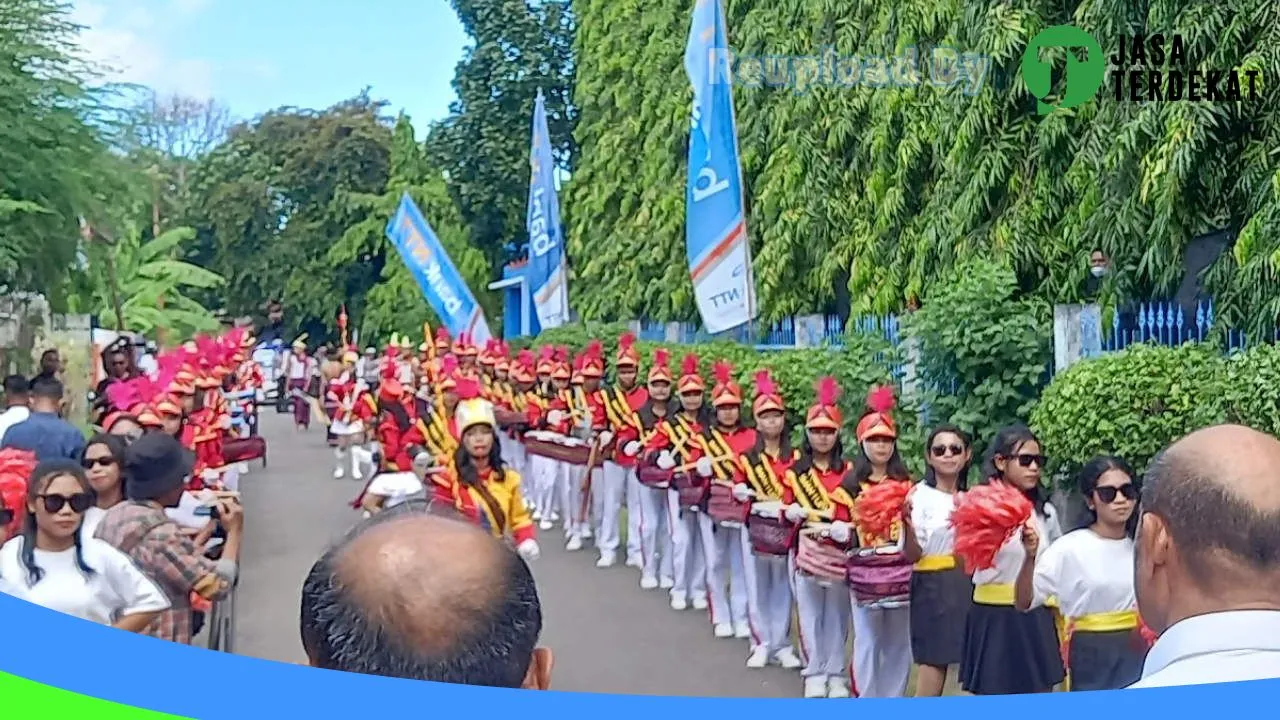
689,466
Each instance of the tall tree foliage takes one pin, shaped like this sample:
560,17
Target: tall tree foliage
880,190
520,46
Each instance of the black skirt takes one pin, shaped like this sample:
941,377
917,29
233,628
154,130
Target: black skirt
1106,660
940,602
1009,652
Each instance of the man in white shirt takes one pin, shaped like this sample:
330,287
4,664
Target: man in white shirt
17,396
1207,562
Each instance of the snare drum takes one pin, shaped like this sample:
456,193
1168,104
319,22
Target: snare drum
691,489
654,477
769,531
724,508
820,557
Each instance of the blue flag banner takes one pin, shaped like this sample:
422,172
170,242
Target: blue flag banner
715,226
547,273
436,274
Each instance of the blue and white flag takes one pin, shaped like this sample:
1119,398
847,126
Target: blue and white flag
436,274
715,226
547,273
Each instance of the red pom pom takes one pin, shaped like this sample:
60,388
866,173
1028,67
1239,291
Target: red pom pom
449,365
878,507
689,366
723,372
467,387
828,391
984,519
881,399
765,384
15,468
661,357
626,341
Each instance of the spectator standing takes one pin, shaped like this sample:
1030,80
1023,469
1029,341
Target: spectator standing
156,468
17,398
44,432
1207,559
50,366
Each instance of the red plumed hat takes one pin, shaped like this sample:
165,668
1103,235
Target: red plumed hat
627,355
767,396
661,370
690,380
878,422
726,392
825,414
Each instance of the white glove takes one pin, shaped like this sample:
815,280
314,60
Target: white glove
555,417
604,437
666,461
529,550
631,449
841,531
796,514
742,493
226,422
703,467
210,474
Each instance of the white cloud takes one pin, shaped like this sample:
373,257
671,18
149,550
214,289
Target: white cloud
119,37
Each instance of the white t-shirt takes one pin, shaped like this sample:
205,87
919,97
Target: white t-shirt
116,589
92,519
11,417
1087,573
1009,557
931,517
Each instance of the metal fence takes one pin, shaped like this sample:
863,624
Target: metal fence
1166,323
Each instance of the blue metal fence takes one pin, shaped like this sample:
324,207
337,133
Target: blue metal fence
1166,323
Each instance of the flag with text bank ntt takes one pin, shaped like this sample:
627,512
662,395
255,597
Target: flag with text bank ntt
436,274
547,273
715,225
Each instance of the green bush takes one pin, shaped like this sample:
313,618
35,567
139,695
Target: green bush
984,352
1252,389
1131,403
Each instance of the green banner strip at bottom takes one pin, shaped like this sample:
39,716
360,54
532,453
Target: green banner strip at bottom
36,700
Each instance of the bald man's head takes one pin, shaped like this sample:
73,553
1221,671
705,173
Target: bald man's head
1211,521
415,596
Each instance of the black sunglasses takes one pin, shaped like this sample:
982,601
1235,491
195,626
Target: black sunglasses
91,463
1108,494
945,450
1027,460
78,502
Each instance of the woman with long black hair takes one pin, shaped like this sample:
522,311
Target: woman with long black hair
103,462
52,565
1090,573
941,591
1006,651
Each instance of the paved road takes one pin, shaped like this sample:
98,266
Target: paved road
607,634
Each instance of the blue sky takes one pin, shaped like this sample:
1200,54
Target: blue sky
258,55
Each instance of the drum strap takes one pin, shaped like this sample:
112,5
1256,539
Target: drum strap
810,492
718,446
762,477
620,410
681,432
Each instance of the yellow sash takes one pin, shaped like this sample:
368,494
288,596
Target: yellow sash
935,563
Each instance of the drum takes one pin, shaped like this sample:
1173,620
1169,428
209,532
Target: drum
768,530
691,488
820,557
654,477
510,418
574,452
724,509
237,450
877,578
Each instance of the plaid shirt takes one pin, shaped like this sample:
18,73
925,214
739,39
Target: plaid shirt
143,532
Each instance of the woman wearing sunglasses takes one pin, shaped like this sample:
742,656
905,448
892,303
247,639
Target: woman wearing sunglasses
1090,572
103,459
50,564
1008,652
941,592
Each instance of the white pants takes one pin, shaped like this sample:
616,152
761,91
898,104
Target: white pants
769,602
608,486
881,651
545,477
653,516
513,453
571,485
726,574
688,562
824,625
635,536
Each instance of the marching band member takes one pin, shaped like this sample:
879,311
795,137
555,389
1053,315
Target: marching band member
485,488
395,431
622,402
1090,572
517,386
607,489
764,474
674,447
561,420
941,592
1008,652
298,367
439,427
651,507
343,423
813,494
724,441
881,664
544,471
466,352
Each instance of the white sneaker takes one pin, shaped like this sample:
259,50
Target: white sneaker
635,561
815,687
666,583
536,514
586,533
759,657
555,516
545,524
700,601
786,657
339,473
724,630
243,468
648,582
607,560
574,544
837,687
742,631
678,601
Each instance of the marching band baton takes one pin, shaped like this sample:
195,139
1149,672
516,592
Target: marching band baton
586,480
